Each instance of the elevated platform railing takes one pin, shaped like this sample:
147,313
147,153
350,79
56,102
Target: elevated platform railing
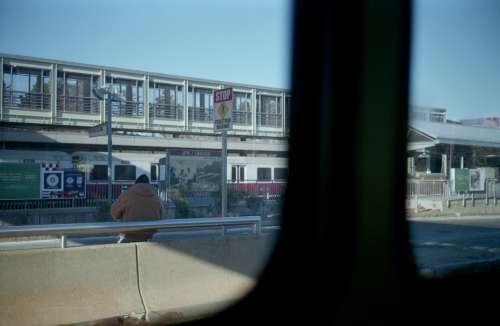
34,101
63,230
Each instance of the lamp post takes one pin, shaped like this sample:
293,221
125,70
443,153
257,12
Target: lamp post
107,93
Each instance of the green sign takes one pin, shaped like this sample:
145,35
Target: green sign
19,181
461,180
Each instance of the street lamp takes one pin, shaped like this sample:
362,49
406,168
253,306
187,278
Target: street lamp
107,93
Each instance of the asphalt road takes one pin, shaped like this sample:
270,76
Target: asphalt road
448,243
440,244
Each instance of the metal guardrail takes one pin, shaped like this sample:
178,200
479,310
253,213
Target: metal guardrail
63,230
26,100
269,119
129,109
49,203
200,114
166,111
242,118
426,187
78,104
441,191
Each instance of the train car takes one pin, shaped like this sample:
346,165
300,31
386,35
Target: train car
258,174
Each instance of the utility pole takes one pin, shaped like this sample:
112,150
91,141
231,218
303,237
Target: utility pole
110,149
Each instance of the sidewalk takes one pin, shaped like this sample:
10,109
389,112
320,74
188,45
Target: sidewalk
453,217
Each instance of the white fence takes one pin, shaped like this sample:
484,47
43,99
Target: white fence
427,191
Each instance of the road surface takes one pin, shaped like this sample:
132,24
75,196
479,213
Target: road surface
450,243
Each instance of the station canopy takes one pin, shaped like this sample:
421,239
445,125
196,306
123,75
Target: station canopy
423,134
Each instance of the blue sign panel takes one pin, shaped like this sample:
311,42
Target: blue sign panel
74,184
52,181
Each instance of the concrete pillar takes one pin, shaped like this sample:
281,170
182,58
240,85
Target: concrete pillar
411,166
145,96
461,162
254,111
53,94
428,164
444,165
102,83
186,104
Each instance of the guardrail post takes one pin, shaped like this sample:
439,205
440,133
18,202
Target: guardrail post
495,194
417,190
472,199
463,199
258,227
64,241
486,192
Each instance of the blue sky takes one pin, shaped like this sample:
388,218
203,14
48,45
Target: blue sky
456,57
455,61
237,41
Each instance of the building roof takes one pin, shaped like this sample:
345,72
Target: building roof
447,133
8,57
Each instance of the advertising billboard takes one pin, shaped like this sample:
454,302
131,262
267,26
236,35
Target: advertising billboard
193,179
19,181
74,184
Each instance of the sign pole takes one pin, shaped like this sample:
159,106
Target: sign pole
223,121
110,160
224,173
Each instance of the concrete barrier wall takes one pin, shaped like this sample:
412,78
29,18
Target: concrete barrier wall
191,278
57,286
182,278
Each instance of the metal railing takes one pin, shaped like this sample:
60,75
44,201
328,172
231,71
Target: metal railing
201,114
441,191
26,100
63,230
28,204
425,188
268,189
269,120
77,104
165,111
97,193
242,117
127,109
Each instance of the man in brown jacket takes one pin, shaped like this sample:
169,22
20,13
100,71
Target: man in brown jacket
139,203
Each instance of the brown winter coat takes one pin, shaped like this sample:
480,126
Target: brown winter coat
139,203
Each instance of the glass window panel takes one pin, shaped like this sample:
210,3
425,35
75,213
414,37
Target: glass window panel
154,172
154,95
263,174
171,96
35,83
140,91
268,104
190,97
46,85
233,173
242,173
280,174
125,172
20,83
180,96
99,173
71,87
6,80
